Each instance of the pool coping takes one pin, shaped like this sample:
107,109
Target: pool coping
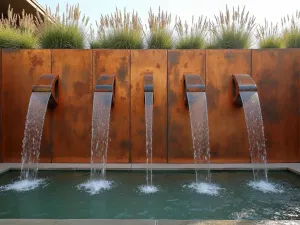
141,222
293,167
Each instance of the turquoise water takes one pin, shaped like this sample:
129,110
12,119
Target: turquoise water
59,197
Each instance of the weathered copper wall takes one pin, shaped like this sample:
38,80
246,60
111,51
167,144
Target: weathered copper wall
277,73
154,62
72,116
227,127
67,129
181,62
117,62
20,70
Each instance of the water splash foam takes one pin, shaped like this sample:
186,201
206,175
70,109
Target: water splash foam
148,189
205,188
265,186
23,185
95,186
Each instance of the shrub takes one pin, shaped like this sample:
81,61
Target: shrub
160,34
291,30
66,32
268,36
21,35
232,30
118,31
193,38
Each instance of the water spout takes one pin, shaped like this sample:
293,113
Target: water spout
245,94
44,94
195,100
103,101
148,100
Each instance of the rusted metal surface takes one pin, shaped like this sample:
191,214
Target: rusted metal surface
152,62
106,83
20,71
116,62
148,83
72,118
48,83
227,127
277,73
181,62
242,82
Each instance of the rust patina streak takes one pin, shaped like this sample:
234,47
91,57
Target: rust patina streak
72,118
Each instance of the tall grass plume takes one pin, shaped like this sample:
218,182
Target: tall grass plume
17,31
291,30
268,35
232,30
66,31
193,36
118,31
160,32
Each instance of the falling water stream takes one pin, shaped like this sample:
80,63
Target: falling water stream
256,137
33,134
200,136
99,143
31,143
200,131
149,187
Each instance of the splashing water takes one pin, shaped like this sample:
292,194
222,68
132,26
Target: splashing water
95,186
23,185
100,131
32,135
204,188
148,189
256,137
200,132
265,186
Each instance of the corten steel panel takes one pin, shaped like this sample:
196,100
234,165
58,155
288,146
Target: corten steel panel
72,117
276,73
116,62
154,62
180,62
1,160
20,70
227,126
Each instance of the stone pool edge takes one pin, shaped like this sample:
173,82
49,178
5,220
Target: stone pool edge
139,222
292,167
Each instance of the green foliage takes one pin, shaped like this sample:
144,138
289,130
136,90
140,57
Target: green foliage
160,34
118,31
232,30
268,36
193,37
291,30
17,31
62,32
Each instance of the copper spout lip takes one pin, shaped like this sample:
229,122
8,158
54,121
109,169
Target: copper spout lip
48,83
242,83
106,83
192,83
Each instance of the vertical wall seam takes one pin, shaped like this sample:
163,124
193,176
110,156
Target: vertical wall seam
51,113
130,88
167,105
